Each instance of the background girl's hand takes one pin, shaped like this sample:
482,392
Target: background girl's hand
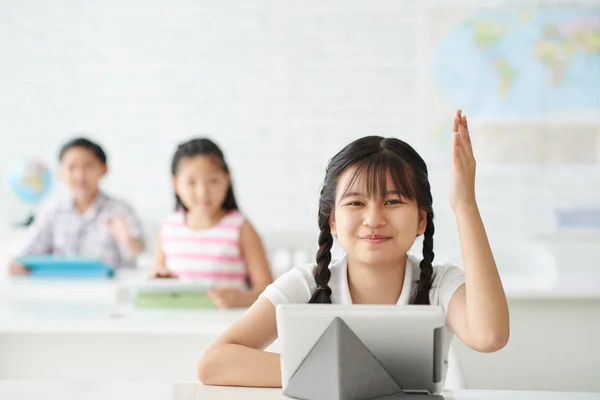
162,272
229,297
462,191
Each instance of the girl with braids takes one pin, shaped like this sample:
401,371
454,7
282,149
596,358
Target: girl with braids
376,200
207,238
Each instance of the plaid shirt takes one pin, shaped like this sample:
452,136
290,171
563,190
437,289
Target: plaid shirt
60,229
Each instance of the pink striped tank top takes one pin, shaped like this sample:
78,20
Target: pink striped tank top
211,255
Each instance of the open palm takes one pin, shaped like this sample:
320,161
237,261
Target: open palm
462,191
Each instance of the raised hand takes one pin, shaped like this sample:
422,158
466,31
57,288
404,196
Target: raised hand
462,191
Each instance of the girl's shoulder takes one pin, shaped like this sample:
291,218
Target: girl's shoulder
233,219
294,286
174,219
297,285
447,277
441,271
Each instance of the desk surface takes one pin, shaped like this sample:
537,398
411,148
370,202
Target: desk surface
36,306
102,307
36,317
193,391
516,287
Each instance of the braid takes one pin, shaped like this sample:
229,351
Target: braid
426,278
322,274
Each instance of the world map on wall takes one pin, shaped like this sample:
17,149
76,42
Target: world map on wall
520,64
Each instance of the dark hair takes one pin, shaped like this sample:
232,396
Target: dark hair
202,147
374,156
86,144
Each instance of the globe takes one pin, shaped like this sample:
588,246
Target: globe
31,181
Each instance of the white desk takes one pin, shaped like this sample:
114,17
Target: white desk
86,318
86,327
86,342
156,391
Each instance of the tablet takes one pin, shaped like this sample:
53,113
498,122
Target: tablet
406,340
172,293
66,267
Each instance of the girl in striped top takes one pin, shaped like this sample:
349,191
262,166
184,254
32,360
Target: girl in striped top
207,238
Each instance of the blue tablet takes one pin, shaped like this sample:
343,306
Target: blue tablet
66,267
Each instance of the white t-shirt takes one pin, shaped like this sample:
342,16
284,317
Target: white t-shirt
298,285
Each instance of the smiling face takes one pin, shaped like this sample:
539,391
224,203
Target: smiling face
374,226
201,184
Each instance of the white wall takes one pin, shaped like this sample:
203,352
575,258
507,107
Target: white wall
281,86
267,80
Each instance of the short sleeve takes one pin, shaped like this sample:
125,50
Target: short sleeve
294,287
447,279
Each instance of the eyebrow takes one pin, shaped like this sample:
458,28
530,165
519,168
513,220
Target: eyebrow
359,194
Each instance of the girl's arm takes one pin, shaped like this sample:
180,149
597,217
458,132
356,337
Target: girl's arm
237,357
255,257
478,310
159,269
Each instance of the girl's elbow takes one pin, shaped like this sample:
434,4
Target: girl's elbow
494,342
208,369
203,371
496,345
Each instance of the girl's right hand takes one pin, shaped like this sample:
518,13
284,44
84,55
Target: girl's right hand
18,269
162,272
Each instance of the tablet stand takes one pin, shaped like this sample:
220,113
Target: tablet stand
340,367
